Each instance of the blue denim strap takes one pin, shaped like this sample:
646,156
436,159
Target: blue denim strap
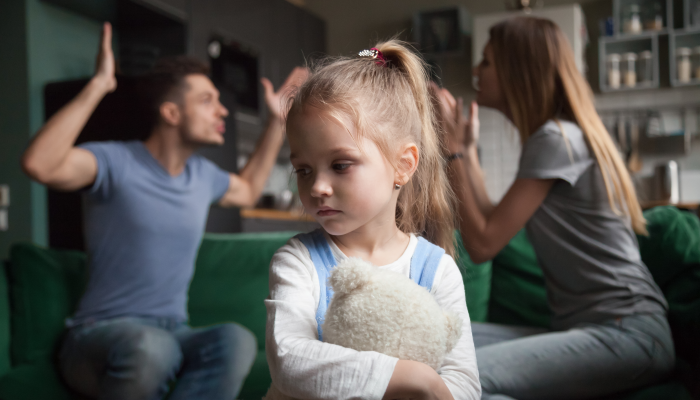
324,261
425,262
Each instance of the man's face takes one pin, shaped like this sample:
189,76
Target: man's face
202,114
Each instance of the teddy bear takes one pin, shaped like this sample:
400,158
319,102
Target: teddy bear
384,311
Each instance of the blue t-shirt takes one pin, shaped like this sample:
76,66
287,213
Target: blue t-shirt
142,231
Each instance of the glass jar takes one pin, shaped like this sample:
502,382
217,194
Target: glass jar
654,17
632,23
695,12
645,68
613,64
696,62
683,64
629,69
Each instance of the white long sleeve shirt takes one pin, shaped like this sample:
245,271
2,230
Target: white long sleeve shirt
305,368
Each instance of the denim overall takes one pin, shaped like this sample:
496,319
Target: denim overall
424,264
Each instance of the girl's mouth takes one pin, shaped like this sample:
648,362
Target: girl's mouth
327,212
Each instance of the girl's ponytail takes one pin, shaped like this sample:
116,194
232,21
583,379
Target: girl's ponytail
426,204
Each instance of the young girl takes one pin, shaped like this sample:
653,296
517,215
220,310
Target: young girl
369,167
575,198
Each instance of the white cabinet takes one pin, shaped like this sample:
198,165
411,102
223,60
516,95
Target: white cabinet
569,17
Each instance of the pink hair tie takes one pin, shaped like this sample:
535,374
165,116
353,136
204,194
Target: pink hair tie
375,54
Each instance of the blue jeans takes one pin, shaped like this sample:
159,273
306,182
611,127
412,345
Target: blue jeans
138,358
587,361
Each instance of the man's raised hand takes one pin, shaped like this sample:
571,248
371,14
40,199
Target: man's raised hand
277,101
105,67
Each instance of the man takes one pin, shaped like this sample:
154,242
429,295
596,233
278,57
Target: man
146,205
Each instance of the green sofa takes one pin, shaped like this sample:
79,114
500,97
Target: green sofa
40,288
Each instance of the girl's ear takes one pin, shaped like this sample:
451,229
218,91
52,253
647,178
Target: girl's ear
170,112
408,163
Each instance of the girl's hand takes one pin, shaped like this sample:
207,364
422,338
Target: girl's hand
277,101
415,380
459,132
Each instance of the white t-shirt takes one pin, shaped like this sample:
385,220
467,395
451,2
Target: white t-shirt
304,367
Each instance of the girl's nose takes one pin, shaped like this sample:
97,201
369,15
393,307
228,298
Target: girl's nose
321,187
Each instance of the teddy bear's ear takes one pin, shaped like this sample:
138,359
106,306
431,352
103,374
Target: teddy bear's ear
453,328
350,275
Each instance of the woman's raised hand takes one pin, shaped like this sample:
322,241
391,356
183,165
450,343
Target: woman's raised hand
277,101
459,132
104,66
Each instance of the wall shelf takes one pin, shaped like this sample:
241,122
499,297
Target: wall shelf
647,12
628,44
689,38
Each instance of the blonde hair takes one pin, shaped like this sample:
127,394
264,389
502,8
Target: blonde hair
540,81
390,103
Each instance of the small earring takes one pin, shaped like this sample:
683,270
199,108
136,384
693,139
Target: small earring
397,186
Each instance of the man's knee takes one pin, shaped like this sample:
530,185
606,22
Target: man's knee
149,356
238,344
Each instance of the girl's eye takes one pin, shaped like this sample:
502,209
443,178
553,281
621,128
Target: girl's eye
302,171
340,167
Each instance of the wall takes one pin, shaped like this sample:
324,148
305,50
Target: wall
45,43
14,120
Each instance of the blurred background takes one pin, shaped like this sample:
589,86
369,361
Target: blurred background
641,58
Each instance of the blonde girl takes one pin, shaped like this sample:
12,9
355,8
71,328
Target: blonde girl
575,198
368,161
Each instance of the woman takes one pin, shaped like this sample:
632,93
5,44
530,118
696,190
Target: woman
576,200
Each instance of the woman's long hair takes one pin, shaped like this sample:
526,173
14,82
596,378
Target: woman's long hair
390,103
540,81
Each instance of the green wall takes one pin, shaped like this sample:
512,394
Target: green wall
14,119
40,43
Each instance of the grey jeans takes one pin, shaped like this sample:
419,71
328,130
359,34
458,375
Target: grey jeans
587,361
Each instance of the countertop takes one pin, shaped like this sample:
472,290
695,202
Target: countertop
265,213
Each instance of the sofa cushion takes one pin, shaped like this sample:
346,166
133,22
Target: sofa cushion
518,294
35,381
477,282
231,280
45,287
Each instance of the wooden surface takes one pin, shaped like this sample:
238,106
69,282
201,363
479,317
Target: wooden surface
650,204
263,213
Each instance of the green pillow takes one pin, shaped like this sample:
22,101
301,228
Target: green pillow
672,253
518,294
45,287
477,282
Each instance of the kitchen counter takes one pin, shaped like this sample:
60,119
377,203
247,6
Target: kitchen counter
684,205
270,220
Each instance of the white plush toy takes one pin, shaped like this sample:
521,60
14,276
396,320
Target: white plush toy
386,312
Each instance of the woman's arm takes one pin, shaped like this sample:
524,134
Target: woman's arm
484,234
